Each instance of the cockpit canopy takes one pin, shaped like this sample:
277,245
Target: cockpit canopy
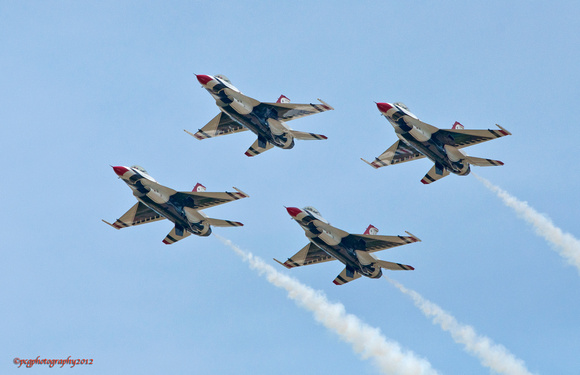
143,172
223,78
401,105
403,108
314,212
139,168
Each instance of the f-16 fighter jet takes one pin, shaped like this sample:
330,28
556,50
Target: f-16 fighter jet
267,120
158,202
418,139
354,250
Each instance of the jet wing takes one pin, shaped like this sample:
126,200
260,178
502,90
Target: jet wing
372,243
138,214
309,254
400,152
291,111
222,124
466,137
202,199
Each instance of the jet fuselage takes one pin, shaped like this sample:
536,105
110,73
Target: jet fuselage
162,200
410,130
344,248
260,119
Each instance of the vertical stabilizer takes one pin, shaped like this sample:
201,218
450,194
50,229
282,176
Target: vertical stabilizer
198,187
283,99
457,125
372,230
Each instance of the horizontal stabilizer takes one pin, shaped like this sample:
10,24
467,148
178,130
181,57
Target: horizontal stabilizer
481,162
175,235
346,276
434,174
307,136
223,223
394,266
256,149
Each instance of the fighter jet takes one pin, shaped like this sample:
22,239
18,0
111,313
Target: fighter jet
158,202
418,140
267,120
354,250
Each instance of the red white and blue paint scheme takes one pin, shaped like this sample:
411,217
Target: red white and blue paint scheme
267,120
353,250
182,208
418,140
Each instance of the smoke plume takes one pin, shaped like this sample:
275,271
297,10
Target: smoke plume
564,243
491,355
369,342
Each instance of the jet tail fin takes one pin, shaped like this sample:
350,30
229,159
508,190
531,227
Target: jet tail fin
457,125
283,99
372,230
347,275
258,147
307,136
481,162
434,174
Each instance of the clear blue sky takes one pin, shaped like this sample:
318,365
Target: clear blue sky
85,85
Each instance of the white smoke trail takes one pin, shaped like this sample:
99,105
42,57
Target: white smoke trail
366,340
491,355
564,243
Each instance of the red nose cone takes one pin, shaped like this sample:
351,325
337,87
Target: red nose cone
120,170
293,211
203,79
384,107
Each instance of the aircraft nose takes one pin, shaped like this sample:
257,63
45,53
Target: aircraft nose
384,107
120,171
203,79
293,211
